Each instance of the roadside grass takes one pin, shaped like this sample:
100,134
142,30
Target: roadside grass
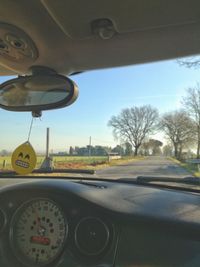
192,168
78,162
75,162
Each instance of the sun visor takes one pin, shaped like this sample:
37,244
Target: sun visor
75,17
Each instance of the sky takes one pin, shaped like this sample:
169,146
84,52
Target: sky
102,94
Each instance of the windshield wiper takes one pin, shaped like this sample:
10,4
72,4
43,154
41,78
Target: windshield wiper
191,184
186,180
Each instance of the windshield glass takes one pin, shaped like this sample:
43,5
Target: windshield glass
141,120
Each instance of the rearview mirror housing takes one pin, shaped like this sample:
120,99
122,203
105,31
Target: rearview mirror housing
37,93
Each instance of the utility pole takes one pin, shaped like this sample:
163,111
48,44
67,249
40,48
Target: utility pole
47,144
90,143
47,164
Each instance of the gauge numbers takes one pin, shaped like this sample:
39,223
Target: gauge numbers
38,232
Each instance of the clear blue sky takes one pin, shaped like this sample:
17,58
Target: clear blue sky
103,93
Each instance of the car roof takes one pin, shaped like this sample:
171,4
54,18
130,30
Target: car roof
72,36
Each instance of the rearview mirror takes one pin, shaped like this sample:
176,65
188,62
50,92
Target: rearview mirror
37,93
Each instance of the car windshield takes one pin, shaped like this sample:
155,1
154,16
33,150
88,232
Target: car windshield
140,120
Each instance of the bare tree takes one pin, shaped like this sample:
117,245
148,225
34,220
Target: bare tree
190,62
151,147
145,148
178,127
134,124
168,150
192,105
155,146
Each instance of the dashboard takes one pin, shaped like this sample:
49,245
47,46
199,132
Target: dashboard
97,223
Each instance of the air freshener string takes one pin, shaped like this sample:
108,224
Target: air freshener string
31,126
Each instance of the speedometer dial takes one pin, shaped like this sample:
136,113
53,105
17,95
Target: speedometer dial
38,232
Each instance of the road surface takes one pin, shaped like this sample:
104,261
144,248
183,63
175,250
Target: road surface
151,166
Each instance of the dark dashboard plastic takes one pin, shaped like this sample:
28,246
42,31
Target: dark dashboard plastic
150,227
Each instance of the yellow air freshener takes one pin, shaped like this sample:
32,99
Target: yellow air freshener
24,159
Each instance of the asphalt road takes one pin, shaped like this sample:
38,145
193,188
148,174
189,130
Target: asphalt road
151,166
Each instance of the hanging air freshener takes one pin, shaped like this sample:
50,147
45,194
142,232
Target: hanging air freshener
24,157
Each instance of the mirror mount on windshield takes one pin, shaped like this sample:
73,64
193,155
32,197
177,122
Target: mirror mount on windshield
43,90
36,114
41,70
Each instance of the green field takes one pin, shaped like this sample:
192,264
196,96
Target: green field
61,161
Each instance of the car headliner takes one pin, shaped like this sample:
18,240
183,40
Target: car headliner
62,34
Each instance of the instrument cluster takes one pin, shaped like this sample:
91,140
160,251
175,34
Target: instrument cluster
40,231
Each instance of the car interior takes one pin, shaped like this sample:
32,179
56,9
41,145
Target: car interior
92,222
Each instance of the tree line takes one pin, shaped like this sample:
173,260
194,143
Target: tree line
124,149
180,127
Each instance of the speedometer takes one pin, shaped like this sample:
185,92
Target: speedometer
38,232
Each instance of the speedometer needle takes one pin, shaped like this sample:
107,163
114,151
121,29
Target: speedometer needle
38,222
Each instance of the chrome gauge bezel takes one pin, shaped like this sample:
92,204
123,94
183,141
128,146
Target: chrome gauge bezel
16,251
